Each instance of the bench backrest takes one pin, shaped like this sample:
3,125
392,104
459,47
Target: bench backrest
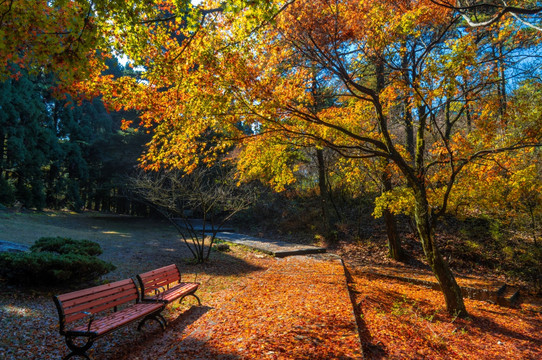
71,305
159,278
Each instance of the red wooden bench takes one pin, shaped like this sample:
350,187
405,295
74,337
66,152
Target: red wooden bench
117,303
165,285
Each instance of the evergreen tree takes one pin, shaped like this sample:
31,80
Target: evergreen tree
62,154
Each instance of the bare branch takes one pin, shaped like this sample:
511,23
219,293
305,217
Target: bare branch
209,192
500,9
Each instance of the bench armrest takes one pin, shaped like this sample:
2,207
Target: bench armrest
159,292
158,295
89,314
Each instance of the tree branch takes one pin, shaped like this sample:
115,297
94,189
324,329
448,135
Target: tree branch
502,9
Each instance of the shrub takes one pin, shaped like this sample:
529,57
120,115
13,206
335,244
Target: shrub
47,268
55,261
62,245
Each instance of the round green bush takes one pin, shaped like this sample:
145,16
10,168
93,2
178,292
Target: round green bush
67,246
48,268
55,261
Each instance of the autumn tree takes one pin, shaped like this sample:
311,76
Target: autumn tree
409,80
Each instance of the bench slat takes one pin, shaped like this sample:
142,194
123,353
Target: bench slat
174,275
163,283
97,309
158,274
80,301
92,290
157,277
160,270
120,318
176,292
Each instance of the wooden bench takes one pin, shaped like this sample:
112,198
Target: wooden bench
165,285
77,313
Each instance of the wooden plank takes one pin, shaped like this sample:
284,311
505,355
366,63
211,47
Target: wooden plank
121,318
118,319
162,282
169,274
103,294
162,269
96,307
177,292
84,292
158,277
109,295
101,307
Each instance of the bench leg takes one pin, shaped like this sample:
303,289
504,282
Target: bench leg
156,317
78,350
192,294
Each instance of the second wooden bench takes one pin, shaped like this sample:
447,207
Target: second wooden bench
165,285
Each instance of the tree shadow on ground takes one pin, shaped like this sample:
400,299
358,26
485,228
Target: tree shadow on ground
487,325
370,349
413,312
152,342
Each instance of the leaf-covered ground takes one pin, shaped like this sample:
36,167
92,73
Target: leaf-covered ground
405,321
298,309
255,306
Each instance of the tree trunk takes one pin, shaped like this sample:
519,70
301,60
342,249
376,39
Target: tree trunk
450,289
395,251
469,118
448,121
323,190
502,84
407,104
409,129
394,242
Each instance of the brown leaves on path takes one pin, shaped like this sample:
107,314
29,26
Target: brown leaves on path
298,309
